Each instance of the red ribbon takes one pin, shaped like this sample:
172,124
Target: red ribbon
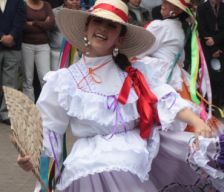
120,13
184,3
146,100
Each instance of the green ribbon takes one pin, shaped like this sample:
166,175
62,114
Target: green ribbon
194,65
194,58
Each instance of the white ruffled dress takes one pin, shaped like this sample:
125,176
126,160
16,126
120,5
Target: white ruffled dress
105,157
169,42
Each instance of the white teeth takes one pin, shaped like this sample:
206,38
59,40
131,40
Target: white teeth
101,36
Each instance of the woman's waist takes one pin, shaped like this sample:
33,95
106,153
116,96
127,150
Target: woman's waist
87,128
36,38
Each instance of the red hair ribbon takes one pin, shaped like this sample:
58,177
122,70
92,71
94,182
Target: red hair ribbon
146,100
184,3
120,13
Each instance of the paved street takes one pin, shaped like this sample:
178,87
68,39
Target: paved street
12,178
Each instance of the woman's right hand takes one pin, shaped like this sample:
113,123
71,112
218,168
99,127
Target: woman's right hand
25,162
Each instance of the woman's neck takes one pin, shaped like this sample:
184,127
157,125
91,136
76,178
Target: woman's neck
99,53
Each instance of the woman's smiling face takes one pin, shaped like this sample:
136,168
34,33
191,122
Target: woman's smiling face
103,35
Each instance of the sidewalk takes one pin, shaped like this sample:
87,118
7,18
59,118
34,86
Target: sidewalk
12,178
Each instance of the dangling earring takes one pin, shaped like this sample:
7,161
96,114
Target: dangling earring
172,14
115,51
87,44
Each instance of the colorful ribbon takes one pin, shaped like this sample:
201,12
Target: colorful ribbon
44,166
52,138
104,6
67,54
206,79
112,104
146,100
194,65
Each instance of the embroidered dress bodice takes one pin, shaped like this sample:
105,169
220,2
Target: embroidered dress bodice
103,73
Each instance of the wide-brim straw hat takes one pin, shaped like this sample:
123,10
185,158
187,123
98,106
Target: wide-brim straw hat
72,24
182,4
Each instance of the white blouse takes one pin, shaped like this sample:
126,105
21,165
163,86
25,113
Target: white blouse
170,40
72,99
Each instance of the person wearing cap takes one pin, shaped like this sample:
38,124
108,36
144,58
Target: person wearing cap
111,107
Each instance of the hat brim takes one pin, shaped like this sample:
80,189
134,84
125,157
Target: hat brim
72,25
178,4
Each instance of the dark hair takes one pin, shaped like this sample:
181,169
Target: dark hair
121,59
183,19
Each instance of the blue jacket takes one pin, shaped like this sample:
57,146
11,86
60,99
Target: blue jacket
11,22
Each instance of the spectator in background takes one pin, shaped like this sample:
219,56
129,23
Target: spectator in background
210,17
35,47
137,15
12,17
56,38
72,4
149,4
156,12
86,4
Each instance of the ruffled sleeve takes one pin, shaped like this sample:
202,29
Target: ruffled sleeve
169,104
54,118
169,101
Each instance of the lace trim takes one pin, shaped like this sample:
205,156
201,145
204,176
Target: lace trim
76,101
64,184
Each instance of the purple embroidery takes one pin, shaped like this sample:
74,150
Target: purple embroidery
112,104
171,95
51,139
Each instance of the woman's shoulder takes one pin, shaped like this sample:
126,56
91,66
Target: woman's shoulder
153,23
59,77
157,26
